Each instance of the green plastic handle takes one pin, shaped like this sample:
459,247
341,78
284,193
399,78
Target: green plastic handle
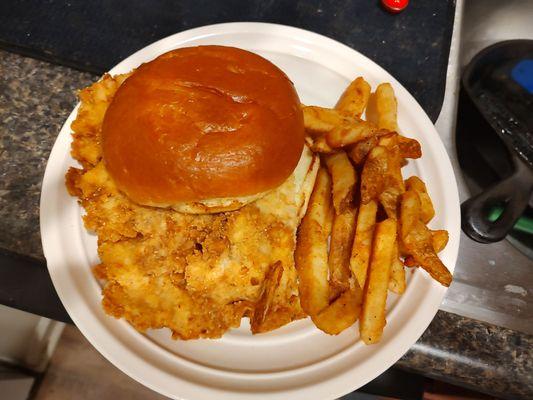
524,224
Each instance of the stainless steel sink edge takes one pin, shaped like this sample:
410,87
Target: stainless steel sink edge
492,283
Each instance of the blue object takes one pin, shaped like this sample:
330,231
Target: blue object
522,74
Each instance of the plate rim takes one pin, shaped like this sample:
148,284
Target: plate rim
417,326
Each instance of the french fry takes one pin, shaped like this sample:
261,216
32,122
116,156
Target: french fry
394,162
343,175
360,150
389,140
374,174
394,169
351,132
409,213
371,114
389,200
397,282
320,145
311,253
343,283
410,262
382,108
262,306
342,313
439,240
340,246
394,185
418,241
320,120
416,184
364,232
375,296
409,148
355,98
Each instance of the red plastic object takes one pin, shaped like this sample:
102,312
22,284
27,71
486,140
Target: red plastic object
394,6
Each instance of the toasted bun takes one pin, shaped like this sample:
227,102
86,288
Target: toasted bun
203,123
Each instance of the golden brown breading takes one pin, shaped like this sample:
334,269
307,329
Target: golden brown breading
195,274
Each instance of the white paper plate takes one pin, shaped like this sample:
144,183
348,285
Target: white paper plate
297,361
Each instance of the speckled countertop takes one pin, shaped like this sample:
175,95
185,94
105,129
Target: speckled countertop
36,98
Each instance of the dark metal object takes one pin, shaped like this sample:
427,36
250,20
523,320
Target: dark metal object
506,108
26,285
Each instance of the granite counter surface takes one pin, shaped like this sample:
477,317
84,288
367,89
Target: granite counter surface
36,98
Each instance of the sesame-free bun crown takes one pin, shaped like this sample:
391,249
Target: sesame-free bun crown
202,123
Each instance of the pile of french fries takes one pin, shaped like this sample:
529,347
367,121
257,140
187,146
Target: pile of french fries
364,223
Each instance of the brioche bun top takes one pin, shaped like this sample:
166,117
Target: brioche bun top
202,123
